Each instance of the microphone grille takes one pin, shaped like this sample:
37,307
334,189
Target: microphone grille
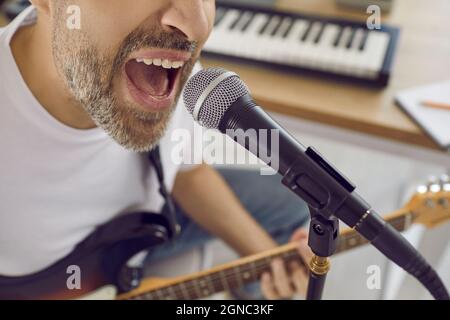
209,94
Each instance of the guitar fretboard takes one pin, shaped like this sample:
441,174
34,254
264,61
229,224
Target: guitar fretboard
250,269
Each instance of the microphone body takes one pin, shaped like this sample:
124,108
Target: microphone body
244,114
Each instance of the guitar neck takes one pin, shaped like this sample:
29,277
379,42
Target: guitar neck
249,269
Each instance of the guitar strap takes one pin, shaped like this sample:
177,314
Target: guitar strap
168,210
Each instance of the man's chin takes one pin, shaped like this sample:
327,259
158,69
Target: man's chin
138,131
132,141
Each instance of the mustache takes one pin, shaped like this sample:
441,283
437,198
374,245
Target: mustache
154,38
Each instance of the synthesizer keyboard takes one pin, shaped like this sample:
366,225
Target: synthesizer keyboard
334,48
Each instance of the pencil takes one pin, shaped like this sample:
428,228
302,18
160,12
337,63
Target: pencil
436,105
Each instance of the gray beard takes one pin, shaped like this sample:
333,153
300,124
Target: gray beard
132,129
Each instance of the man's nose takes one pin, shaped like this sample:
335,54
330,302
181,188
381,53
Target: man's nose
189,17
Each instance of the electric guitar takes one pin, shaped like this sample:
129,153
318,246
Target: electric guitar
429,206
103,258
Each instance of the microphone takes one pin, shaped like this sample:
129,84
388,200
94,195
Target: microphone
219,99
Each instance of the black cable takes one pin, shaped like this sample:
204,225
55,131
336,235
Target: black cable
394,246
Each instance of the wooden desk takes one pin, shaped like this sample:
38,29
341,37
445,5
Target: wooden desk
423,57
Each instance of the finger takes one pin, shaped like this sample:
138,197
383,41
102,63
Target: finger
281,279
267,287
299,234
299,278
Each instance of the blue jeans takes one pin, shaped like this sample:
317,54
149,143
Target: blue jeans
277,210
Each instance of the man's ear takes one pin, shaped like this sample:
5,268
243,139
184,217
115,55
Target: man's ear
42,5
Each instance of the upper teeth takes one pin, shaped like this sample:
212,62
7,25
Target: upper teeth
165,63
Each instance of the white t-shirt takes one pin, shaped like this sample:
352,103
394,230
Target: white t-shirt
58,183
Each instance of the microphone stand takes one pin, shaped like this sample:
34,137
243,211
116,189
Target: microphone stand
326,191
323,235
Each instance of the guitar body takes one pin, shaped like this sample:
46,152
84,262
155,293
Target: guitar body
100,260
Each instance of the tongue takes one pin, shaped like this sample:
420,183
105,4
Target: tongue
152,80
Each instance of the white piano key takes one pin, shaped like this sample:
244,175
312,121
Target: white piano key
341,52
306,51
258,22
250,38
262,49
274,20
326,49
377,46
235,37
219,13
317,26
368,62
244,19
219,41
229,18
284,27
292,46
276,48
312,49
354,64
347,56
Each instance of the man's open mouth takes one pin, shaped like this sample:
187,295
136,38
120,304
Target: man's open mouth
154,77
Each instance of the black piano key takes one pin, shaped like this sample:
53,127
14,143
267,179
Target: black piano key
249,22
319,35
338,37
277,27
362,46
235,22
264,27
270,26
307,31
220,14
286,22
350,41
289,28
